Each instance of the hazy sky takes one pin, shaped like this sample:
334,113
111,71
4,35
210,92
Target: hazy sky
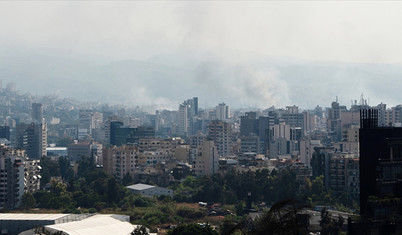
235,31
355,31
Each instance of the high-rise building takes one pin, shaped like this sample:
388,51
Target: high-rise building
221,133
37,112
121,135
307,147
294,120
85,125
188,111
207,160
32,138
183,120
250,144
309,122
195,105
248,124
344,175
118,161
78,150
18,174
334,120
5,132
380,167
222,112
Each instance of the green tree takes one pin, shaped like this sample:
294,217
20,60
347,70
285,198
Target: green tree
64,142
50,169
330,226
28,200
318,189
229,227
60,197
43,197
193,229
86,165
281,219
127,179
66,171
240,208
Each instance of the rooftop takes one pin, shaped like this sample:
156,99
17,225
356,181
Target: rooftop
97,225
15,216
140,186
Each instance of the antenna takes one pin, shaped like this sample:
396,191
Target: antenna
336,99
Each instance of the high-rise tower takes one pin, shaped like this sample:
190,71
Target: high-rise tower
37,112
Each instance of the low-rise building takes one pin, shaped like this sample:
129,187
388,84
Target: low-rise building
149,190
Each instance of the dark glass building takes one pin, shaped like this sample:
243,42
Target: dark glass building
380,167
5,132
120,135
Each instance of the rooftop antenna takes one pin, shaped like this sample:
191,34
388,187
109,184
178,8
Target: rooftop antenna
336,99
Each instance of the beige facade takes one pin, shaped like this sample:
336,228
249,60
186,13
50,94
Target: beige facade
151,158
119,161
207,160
221,133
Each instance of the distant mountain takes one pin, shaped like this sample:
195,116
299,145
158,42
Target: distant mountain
166,80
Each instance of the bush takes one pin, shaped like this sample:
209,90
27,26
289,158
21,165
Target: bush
165,198
92,210
143,202
189,213
193,229
71,210
155,217
100,206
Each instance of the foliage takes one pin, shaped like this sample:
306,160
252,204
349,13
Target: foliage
240,208
64,142
330,226
127,179
66,172
96,190
189,213
228,227
193,229
28,200
49,169
233,187
89,189
143,202
280,219
86,165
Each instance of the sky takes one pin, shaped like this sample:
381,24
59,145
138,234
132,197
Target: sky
237,36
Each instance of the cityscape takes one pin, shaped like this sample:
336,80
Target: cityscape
217,165
200,117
